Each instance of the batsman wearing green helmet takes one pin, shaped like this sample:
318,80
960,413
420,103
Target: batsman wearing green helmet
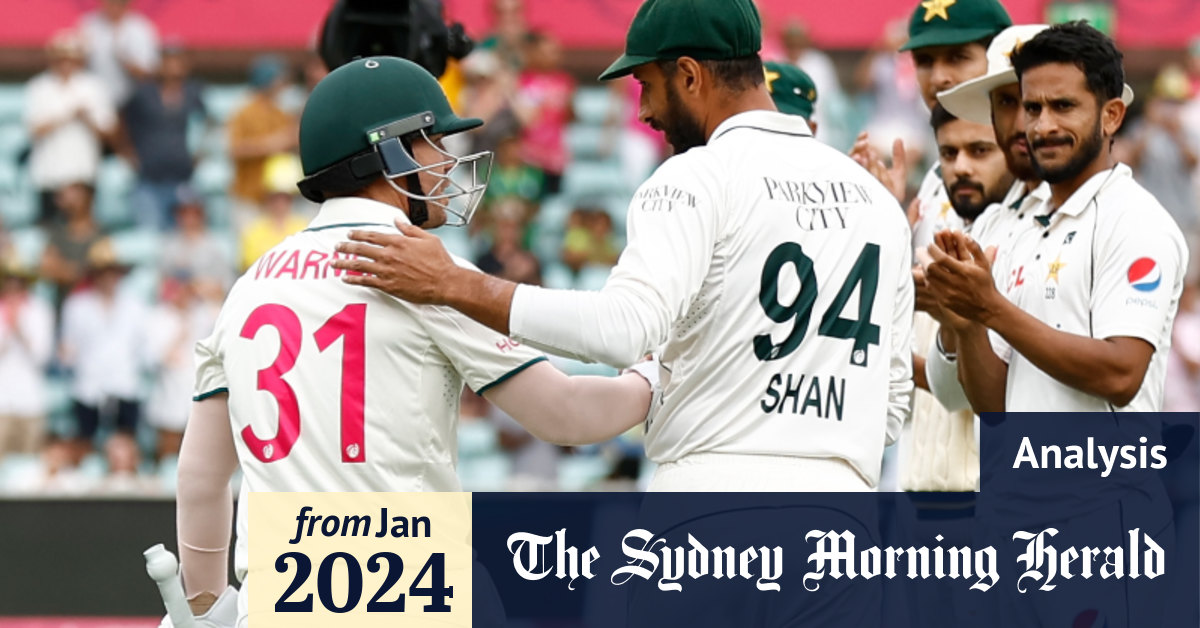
379,120
310,384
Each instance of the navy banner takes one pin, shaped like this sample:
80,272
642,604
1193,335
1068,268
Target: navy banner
1082,520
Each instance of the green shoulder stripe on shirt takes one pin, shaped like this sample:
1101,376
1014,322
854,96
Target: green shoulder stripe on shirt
211,393
503,378
347,224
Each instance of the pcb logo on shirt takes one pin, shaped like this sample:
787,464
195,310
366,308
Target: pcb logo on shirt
1144,275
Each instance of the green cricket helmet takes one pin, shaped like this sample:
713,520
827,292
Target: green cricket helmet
360,123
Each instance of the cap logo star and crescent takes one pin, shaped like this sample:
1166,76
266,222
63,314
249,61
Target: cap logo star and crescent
771,77
937,8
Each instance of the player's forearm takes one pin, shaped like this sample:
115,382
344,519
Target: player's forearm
617,326
572,410
204,511
1098,367
981,372
485,298
204,505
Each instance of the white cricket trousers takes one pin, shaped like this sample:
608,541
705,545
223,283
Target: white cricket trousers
735,473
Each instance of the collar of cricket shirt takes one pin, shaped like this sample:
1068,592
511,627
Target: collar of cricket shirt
1092,188
763,120
353,211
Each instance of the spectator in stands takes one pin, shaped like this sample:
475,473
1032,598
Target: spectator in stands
798,48
182,318
103,340
312,70
898,109
26,345
489,92
8,250
508,32
278,218
69,114
64,259
122,47
1164,152
512,177
1182,391
589,240
1193,67
156,119
259,130
544,93
507,256
192,249
639,148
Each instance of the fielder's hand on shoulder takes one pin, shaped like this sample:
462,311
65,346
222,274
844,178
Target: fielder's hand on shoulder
411,265
211,611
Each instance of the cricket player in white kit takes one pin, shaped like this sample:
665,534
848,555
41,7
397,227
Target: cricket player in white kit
314,385
1077,318
1081,310
768,273
995,99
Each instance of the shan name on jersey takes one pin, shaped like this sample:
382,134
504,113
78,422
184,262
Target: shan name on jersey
806,395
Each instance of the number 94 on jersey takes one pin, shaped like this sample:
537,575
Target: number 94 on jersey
359,559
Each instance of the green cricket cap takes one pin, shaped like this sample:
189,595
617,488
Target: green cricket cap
791,88
953,22
706,30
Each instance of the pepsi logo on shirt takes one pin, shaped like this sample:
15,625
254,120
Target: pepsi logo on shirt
1144,275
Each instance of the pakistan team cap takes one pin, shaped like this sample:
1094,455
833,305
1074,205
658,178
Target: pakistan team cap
971,100
707,30
791,88
953,22
364,95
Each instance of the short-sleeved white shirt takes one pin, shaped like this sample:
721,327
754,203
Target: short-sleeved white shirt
1109,262
70,151
745,271
1000,223
374,381
105,341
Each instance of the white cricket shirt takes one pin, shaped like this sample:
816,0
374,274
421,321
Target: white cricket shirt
1108,263
334,387
770,274
935,212
998,226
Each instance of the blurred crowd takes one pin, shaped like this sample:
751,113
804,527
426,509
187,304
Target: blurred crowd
132,195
